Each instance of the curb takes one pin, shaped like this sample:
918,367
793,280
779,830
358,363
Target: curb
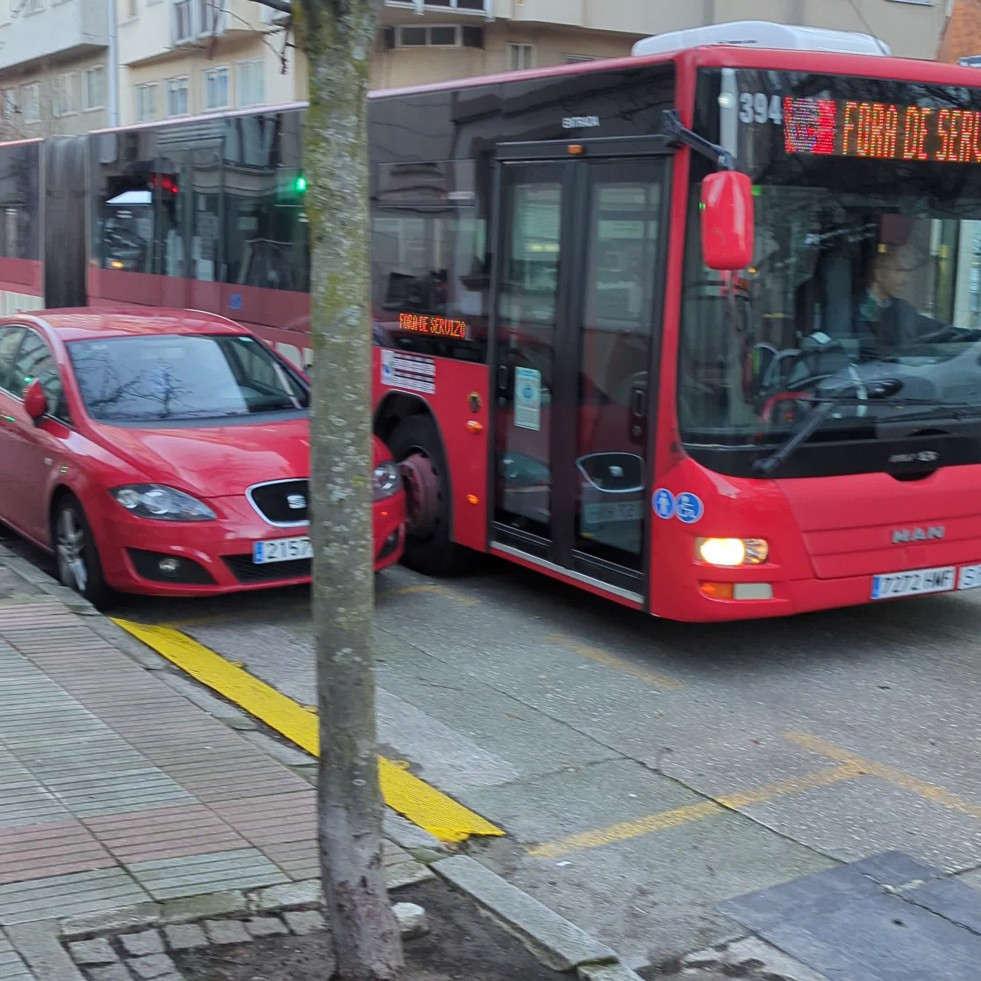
552,939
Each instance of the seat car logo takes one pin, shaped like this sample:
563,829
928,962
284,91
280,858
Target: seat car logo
296,501
902,535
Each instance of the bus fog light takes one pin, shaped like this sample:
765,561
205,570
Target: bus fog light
731,551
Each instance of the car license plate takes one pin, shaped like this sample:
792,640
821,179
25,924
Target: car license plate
281,550
913,583
969,577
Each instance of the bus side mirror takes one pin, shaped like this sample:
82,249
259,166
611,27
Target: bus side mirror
727,220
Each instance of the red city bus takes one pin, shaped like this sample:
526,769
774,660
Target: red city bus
698,330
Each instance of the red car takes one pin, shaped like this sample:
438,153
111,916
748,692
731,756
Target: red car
163,452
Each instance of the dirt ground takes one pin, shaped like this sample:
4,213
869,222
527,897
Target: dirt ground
463,945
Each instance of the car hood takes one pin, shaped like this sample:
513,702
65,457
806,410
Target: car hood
219,461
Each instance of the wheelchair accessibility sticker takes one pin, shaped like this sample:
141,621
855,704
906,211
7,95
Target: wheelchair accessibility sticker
686,507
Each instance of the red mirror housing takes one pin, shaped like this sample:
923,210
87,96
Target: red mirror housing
728,220
35,401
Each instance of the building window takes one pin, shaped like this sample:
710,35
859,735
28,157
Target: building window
94,88
132,9
10,107
478,6
211,17
520,56
146,102
436,36
216,88
251,80
30,102
177,96
64,100
183,21
578,59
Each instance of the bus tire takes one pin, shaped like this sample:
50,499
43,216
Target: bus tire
417,448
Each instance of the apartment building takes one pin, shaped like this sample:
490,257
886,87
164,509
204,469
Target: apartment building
432,40
54,67
186,57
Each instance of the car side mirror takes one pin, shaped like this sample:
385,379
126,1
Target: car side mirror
35,401
727,220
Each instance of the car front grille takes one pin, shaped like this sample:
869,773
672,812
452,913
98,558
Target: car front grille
279,501
246,571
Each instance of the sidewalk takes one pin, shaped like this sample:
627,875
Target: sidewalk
120,793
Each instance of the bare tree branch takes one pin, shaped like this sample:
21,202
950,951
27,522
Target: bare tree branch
283,6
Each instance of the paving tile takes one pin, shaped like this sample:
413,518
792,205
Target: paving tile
298,859
54,848
28,802
265,926
154,966
168,832
117,972
272,820
68,895
12,968
260,778
142,943
98,951
109,793
244,868
226,932
185,936
307,921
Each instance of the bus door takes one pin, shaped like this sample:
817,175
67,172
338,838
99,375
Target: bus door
577,285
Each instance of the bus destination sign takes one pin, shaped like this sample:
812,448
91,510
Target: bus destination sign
881,130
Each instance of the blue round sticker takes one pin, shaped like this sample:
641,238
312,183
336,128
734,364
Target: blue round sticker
689,508
663,503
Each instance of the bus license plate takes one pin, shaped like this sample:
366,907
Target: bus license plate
281,550
913,583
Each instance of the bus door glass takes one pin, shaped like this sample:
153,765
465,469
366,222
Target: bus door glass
577,285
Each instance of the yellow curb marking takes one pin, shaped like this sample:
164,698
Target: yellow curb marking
663,820
928,791
404,792
431,588
610,660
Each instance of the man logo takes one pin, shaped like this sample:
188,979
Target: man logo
901,536
580,122
296,501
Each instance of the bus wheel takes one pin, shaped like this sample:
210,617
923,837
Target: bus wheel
429,549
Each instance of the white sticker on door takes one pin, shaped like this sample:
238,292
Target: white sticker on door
413,372
527,398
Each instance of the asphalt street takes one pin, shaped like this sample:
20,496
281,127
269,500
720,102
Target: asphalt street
646,771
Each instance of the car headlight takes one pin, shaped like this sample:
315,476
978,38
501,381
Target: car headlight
163,503
385,481
732,551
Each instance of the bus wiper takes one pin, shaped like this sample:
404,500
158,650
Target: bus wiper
826,404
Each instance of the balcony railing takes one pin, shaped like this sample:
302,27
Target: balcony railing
484,7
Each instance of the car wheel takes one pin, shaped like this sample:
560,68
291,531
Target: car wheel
429,549
78,562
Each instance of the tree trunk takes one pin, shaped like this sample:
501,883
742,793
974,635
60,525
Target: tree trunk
338,37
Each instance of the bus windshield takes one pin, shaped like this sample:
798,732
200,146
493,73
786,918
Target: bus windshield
867,267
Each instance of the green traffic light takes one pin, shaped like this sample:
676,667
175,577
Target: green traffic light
300,184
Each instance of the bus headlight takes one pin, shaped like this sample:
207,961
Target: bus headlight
731,551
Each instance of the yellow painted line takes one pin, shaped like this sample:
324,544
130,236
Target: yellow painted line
625,830
404,792
431,588
793,785
611,660
922,788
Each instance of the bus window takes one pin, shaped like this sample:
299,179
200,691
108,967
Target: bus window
19,202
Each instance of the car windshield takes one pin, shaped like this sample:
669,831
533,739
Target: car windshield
866,275
175,377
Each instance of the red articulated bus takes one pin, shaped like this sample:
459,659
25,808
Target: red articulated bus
698,330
